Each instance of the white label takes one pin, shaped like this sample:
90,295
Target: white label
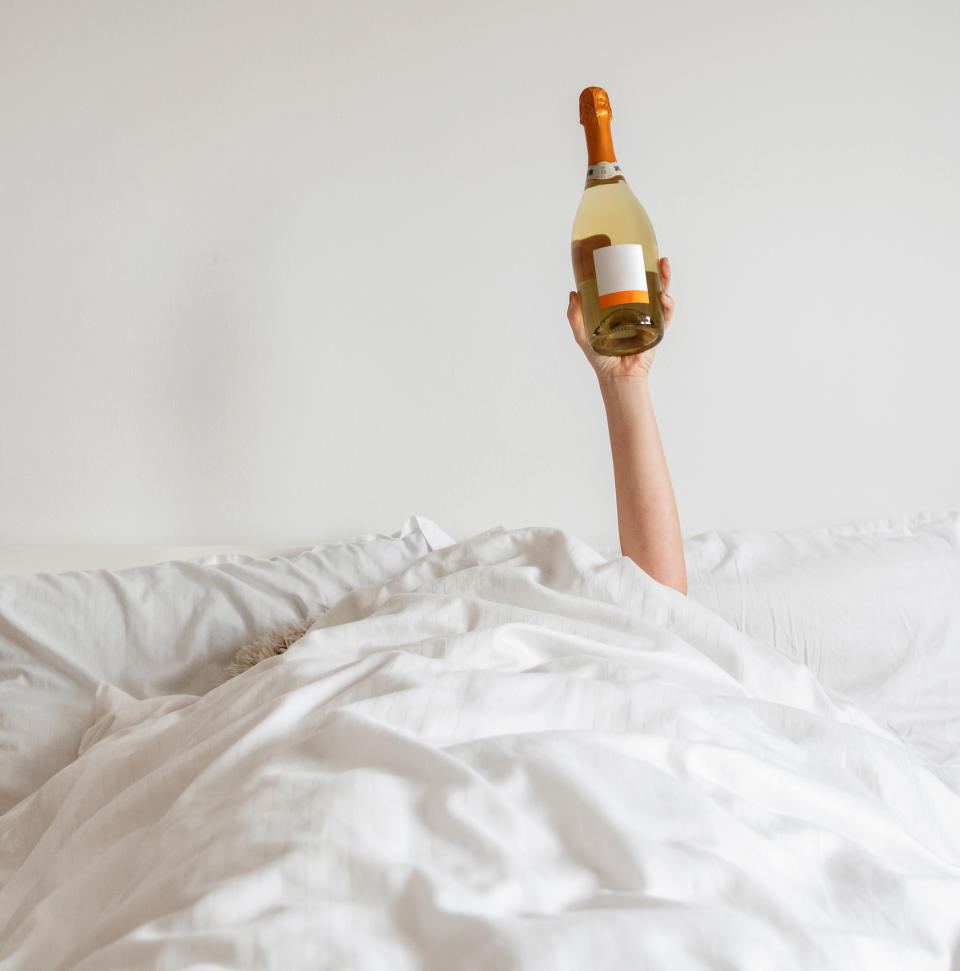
603,170
621,274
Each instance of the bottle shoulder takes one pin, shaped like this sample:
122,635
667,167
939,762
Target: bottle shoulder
612,208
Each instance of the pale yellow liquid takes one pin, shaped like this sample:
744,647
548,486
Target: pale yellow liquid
609,208
627,328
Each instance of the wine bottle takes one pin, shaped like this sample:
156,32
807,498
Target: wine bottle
615,258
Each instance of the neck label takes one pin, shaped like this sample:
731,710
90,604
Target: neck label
603,170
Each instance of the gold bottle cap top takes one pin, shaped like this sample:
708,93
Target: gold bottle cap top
594,104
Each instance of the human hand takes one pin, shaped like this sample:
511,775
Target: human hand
631,365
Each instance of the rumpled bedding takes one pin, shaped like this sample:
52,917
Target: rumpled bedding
515,753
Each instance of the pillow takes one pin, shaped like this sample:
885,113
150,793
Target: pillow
168,628
873,608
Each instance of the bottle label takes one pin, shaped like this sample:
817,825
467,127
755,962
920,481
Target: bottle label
621,274
604,170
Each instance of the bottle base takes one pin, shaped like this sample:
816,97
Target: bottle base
625,331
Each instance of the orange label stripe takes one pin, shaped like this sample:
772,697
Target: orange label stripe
624,296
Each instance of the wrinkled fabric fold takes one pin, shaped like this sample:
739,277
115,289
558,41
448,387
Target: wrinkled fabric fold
512,754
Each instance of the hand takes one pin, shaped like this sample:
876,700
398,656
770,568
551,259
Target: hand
631,365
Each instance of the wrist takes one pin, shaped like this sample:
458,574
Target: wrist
637,382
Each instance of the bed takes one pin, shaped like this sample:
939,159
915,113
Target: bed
512,750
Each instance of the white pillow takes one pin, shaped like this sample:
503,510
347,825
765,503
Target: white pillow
873,608
168,628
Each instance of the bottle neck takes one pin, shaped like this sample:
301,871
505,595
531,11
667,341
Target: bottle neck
599,139
602,164
604,172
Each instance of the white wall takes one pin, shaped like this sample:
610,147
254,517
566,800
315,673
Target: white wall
285,272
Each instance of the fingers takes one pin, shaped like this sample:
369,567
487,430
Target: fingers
583,254
667,303
665,273
575,316
666,300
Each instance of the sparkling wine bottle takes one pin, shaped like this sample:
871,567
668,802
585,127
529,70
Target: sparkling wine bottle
615,258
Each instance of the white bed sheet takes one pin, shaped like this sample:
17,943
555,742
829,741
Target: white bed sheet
514,754
157,629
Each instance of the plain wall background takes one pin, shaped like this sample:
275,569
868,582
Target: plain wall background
280,272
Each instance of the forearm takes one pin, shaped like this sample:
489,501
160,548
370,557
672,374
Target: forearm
646,506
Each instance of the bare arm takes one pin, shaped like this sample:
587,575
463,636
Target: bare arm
646,506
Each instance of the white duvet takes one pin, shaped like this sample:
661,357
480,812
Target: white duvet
514,754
